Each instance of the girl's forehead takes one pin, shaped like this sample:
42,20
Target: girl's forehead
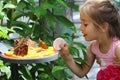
84,17
85,12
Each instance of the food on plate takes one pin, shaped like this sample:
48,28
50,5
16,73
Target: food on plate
27,48
33,53
21,46
43,44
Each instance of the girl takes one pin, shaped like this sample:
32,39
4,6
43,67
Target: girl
99,24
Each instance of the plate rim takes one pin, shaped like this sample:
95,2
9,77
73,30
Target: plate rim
29,60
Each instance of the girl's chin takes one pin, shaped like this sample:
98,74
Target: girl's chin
87,39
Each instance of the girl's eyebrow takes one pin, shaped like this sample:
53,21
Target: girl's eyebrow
83,19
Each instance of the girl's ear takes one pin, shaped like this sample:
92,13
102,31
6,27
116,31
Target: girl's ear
105,27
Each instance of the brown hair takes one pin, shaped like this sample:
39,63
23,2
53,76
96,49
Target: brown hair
101,11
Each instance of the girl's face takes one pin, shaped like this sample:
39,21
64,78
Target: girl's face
88,29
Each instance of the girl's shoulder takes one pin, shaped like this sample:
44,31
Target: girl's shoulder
116,44
116,40
94,46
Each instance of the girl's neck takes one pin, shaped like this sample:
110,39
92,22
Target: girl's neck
105,44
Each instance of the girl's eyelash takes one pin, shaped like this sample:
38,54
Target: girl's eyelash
85,24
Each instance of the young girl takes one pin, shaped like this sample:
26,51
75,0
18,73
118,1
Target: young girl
99,24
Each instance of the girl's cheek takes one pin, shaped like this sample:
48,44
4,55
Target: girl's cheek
81,27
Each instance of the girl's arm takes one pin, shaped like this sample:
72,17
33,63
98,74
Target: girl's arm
79,69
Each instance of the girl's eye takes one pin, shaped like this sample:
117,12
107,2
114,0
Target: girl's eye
85,25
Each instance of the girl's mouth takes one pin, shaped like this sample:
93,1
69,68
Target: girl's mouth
84,35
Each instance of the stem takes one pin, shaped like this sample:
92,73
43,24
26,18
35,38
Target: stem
12,15
33,27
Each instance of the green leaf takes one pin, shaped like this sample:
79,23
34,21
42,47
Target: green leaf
74,50
24,70
4,35
54,7
80,60
84,54
5,69
57,68
59,71
20,32
43,76
1,6
67,31
81,45
19,14
18,1
63,3
2,15
32,2
66,22
51,20
22,26
27,71
1,63
39,11
73,6
9,5
21,6
5,29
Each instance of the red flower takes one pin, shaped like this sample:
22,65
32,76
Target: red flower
115,78
110,73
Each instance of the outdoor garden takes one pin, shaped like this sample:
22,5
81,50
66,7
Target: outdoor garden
40,20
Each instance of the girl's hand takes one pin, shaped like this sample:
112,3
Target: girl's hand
64,49
98,60
61,45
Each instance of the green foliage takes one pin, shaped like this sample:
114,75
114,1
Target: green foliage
4,70
4,30
39,20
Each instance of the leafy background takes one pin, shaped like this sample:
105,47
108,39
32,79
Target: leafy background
39,19
45,20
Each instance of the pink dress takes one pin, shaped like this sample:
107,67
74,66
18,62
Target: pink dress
108,70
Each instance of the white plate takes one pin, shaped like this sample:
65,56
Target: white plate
28,60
